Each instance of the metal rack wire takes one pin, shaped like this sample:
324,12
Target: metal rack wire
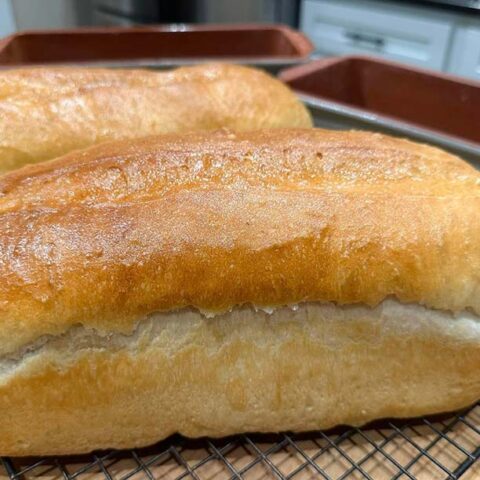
445,447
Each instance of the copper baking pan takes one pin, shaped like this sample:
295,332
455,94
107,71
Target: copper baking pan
270,46
375,94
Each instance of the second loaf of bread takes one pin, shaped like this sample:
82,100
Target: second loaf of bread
47,112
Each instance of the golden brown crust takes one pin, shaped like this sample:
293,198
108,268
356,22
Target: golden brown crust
105,236
129,171
47,112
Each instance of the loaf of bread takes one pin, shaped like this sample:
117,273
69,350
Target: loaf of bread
47,112
216,283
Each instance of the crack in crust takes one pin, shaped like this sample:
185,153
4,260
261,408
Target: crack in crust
390,315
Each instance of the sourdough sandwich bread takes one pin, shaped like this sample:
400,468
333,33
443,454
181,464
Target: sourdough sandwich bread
47,112
211,284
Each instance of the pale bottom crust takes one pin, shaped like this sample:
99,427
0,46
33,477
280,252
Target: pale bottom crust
245,371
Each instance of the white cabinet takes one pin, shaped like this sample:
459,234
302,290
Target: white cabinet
7,22
400,33
465,53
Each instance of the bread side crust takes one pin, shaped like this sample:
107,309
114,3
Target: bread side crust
302,368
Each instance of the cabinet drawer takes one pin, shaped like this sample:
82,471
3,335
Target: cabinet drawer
465,56
406,35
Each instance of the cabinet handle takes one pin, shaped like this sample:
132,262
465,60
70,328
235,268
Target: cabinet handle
357,37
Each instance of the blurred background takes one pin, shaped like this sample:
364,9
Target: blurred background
443,35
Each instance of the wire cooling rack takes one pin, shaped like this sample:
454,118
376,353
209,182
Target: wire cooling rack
446,447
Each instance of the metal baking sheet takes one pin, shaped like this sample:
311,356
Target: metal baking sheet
370,93
269,46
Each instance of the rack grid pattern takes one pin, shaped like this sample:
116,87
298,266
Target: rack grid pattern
446,447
